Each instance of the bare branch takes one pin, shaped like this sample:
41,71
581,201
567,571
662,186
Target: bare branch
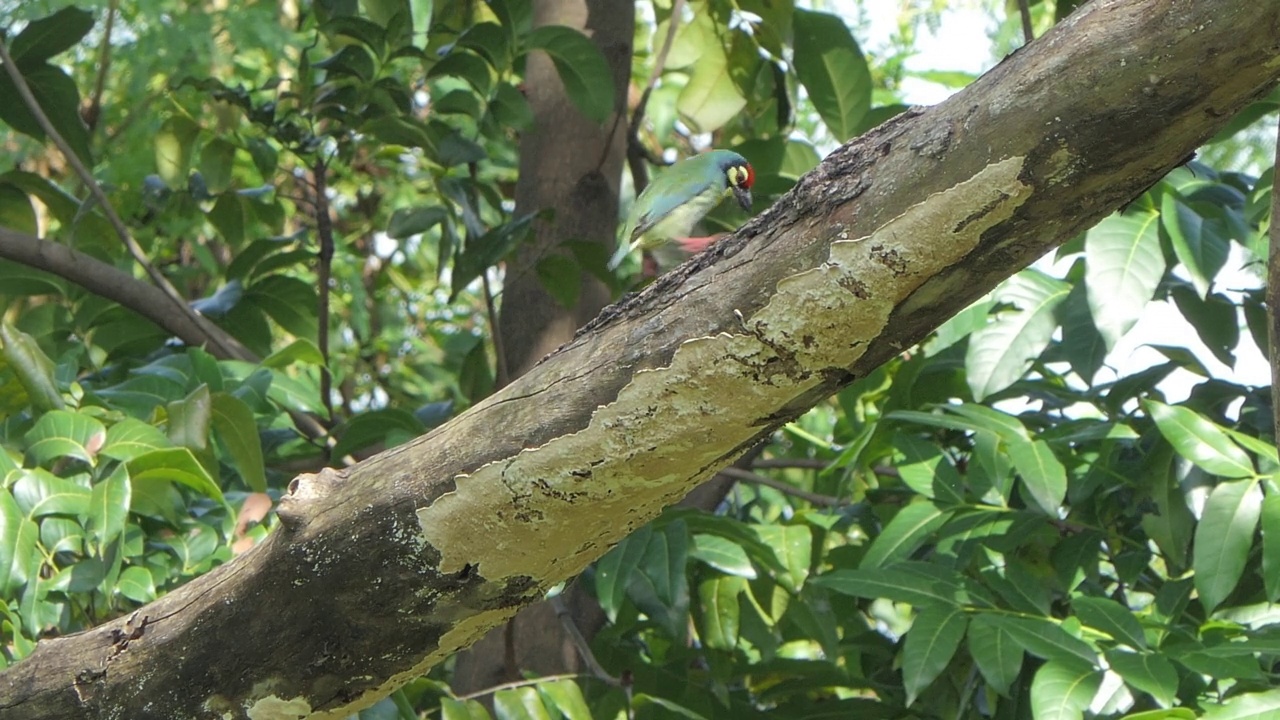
1024,9
1273,299
787,488
324,271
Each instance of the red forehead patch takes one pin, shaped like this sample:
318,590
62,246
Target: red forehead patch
751,176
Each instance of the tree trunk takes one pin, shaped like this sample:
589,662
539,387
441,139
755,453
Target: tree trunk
382,570
573,166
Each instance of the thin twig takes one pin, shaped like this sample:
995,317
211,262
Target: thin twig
805,463
815,498
1273,298
502,372
580,642
324,228
94,112
225,343
1024,9
635,151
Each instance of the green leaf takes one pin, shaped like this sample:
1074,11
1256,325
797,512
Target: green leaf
927,470
1251,706
486,250
918,584
1215,319
56,94
1082,343
1043,475
19,559
1199,440
1044,638
1271,546
932,641
1124,264
581,67
1200,249
718,602
289,301
301,350
668,709
136,584
109,508
130,438
614,570
1000,353
174,465
1223,539
407,222
997,654
236,428
522,703
561,278
63,433
376,426
189,419
1112,618
793,547
566,696
16,210
217,160
40,493
43,38
906,532
660,588
451,709
1150,673
722,554
32,367
1063,690
831,67
710,99
173,148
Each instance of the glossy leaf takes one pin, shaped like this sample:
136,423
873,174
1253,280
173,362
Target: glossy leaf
109,508
451,709
32,367
1000,352
906,532
914,583
934,637
998,656
1199,440
1248,706
1124,266
1063,690
1200,250
522,703
136,584
237,429
710,99
1043,475
722,554
1223,539
62,433
1112,618
566,696
130,438
177,465
925,469
45,37
660,587
718,601
1044,639
792,545
581,67
1150,673
831,67
18,558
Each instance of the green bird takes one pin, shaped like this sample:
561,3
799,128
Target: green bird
677,199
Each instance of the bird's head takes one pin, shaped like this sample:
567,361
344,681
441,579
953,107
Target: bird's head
740,176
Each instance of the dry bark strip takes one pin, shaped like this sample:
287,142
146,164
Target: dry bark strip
385,569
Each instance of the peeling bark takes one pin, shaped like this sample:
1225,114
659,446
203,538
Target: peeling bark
382,570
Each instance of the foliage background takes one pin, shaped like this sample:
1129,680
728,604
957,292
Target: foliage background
1010,520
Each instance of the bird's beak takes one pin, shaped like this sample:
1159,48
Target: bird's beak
743,196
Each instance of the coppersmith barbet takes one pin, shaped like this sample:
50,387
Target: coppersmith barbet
676,200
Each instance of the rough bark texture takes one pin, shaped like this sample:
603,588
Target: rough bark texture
384,569
573,166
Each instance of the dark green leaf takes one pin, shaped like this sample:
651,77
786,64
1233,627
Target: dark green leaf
1151,673
997,654
236,428
831,67
1112,618
1223,539
43,38
933,639
581,67
1063,690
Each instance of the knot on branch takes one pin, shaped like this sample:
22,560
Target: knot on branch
303,489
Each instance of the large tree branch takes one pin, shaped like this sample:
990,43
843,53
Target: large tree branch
388,567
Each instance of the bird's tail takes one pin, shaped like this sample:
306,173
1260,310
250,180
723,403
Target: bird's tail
623,251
